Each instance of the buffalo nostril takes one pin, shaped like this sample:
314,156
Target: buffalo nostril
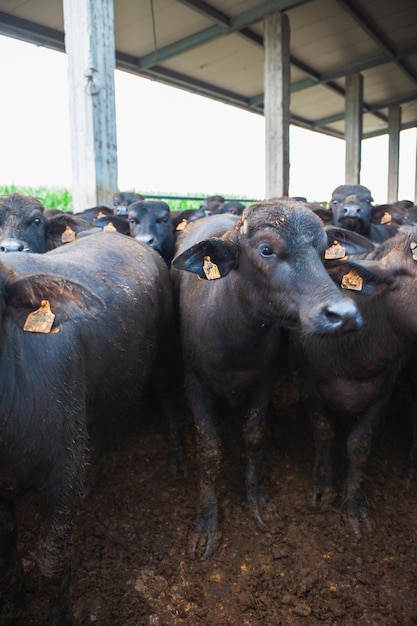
343,316
12,245
149,239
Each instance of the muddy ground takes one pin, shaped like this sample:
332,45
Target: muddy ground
131,564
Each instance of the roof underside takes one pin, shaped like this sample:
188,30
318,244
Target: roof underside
216,49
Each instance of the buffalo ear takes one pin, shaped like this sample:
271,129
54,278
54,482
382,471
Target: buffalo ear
68,299
373,278
56,226
222,254
351,241
119,223
324,214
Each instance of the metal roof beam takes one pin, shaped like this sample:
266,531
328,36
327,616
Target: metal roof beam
225,26
258,100
351,7
176,79
208,11
25,30
383,131
372,108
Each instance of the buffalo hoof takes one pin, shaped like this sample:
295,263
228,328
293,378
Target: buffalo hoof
323,494
12,596
203,545
411,474
359,518
62,617
205,539
260,507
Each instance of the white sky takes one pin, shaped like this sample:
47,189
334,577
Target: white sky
169,140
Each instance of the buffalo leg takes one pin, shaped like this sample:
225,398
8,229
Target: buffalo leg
358,448
412,459
324,435
60,500
11,571
207,529
253,435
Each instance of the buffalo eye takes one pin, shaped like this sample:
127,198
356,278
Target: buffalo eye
266,251
163,220
133,221
37,221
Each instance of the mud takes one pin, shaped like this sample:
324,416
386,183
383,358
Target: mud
131,561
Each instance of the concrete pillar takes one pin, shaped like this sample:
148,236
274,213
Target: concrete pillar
277,104
394,126
89,43
353,127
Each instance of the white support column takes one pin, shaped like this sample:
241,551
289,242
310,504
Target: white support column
277,104
394,126
89,42
353,127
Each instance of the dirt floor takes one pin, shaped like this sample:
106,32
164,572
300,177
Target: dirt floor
131,565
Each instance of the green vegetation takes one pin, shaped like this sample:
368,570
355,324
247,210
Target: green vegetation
50,197
55,198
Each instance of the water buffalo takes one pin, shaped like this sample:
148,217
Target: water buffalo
351,208
231,206
95,212
352,375
244,278
180,219
123,199
395,212
150,222
112,301
212,203
24,227
113,222
410,217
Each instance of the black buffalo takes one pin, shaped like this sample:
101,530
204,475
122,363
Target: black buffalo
244,279
180,219
212,203
352,375
112,301
123,199
150,222
231,206
351,208
24,226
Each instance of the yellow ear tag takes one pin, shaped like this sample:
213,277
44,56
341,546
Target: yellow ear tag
386,218
352,280
110,228
101,214
210,269
182,224
336,251
68,235
41,320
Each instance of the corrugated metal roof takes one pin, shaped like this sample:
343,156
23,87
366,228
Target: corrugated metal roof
216,48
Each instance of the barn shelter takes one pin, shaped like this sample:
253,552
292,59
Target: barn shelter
346,68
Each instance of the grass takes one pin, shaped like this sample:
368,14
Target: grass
51,198
56,198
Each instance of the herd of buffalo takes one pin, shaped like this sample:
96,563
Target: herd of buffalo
111,300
